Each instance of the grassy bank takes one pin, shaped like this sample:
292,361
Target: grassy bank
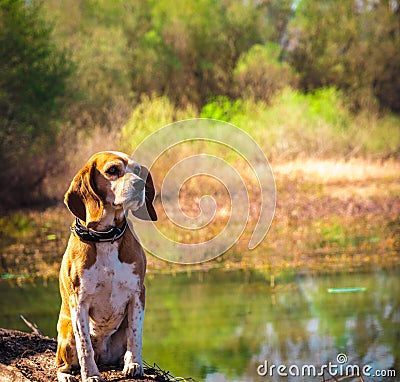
331,216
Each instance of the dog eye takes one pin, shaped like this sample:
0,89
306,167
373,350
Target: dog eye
136,170
113,170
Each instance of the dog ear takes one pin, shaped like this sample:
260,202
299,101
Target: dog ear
82,199
147,211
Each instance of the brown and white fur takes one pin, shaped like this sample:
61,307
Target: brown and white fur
102,284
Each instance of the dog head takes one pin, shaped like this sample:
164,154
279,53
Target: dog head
109,182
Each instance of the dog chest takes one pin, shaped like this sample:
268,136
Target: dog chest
109,283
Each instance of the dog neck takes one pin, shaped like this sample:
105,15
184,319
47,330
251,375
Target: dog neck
91,235
111,227
111,218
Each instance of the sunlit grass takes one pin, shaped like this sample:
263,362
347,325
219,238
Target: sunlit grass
334,170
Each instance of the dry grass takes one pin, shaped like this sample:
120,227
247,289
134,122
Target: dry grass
358,176
331,171
330,216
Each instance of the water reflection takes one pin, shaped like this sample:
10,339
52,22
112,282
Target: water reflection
222,329
221,326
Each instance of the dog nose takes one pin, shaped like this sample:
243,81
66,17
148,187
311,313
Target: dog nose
139,185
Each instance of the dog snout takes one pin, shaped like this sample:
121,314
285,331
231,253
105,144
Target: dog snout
138,185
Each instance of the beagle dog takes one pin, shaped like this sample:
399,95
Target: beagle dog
103,269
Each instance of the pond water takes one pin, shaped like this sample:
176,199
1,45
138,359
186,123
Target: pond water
222,326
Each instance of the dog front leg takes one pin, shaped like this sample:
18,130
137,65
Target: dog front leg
133,364
84,348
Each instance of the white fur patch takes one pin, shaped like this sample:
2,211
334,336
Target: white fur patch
107,288
109,292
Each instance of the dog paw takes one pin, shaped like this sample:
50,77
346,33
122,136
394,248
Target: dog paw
133,369
95,378
65,377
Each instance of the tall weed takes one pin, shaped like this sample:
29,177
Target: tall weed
151,114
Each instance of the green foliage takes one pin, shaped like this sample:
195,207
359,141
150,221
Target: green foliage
94,32
259,73
315,124
325,105
222,108
189,52
150,115
361,56
319,125
33,70
278,14
154,62
378,136
34,73
297,123
102,80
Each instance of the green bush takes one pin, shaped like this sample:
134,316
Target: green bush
222,108
294,124
259,73
351,45
188,52
317,125
148,116
33,86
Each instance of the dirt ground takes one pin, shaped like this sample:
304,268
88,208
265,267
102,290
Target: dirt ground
28,357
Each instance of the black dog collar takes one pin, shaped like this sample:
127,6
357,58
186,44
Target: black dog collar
87,234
